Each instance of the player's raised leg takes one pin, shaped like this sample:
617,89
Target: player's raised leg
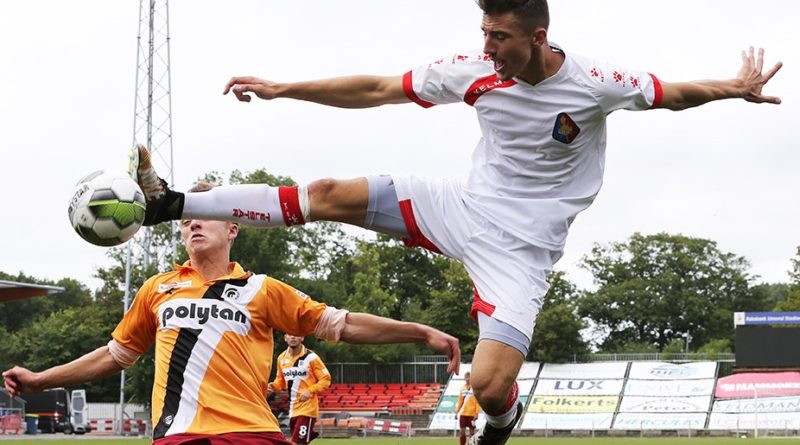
257,205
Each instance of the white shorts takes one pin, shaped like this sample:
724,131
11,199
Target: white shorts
509,274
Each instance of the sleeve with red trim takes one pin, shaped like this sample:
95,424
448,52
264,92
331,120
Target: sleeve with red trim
291,311
137,329
446,81
616,87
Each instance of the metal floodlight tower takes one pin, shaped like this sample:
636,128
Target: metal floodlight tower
152,123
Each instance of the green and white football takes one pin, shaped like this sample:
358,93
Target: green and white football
106,209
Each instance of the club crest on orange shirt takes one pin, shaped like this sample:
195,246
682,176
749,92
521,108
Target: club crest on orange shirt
565,129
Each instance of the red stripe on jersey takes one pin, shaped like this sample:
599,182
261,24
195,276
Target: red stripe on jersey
408,88
659,92
478,305
416,238
484,85
290,205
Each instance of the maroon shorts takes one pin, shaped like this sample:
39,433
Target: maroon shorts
265,438
466,422
302,429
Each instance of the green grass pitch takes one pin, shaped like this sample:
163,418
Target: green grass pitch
445,441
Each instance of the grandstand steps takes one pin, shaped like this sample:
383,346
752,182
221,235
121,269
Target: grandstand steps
418,421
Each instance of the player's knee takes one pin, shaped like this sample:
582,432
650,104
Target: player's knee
322,189
491,393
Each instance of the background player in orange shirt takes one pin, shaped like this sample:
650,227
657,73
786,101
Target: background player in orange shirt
211,323
304,375
466,410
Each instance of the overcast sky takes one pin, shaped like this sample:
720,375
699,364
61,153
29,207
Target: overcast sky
727,171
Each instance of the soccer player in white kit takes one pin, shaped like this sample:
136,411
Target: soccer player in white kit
542,113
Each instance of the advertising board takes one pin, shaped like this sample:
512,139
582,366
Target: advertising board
576,404
637,404
667,388
576,387
760,405
672,371
541,421
748,385
772,421
634,421
605,370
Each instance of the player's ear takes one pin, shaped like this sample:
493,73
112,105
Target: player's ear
539,36
233,231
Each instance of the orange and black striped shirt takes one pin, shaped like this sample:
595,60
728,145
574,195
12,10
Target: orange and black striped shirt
214,346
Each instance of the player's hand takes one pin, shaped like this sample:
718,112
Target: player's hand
270,388
305,395
753,79
447,345
264,89
18,381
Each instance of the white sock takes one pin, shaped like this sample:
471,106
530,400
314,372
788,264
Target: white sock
305,203
255,205
503,420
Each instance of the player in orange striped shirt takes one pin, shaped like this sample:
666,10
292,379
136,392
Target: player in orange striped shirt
302,373
211,323
466,410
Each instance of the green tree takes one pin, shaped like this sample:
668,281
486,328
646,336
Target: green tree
17,314
794,274
792,301
450,307
62,337
557,336
654,289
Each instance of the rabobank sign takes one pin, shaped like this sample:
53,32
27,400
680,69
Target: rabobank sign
765,318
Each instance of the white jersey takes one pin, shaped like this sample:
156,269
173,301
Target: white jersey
541,156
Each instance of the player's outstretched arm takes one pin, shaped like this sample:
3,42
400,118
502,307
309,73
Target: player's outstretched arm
342,92
747,85
94,365
361,328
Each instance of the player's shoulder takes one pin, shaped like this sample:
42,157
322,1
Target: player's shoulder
277,288
576,65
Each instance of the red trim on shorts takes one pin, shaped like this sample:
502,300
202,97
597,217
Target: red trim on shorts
478,305
512,398
415,236
290,205
408,88
255,438
484,85
659,92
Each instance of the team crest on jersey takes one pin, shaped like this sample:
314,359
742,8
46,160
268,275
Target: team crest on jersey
231,294
565,129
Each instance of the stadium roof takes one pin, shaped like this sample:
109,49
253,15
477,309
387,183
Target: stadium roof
12,290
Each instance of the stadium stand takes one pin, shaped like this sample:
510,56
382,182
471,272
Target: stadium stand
394,398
